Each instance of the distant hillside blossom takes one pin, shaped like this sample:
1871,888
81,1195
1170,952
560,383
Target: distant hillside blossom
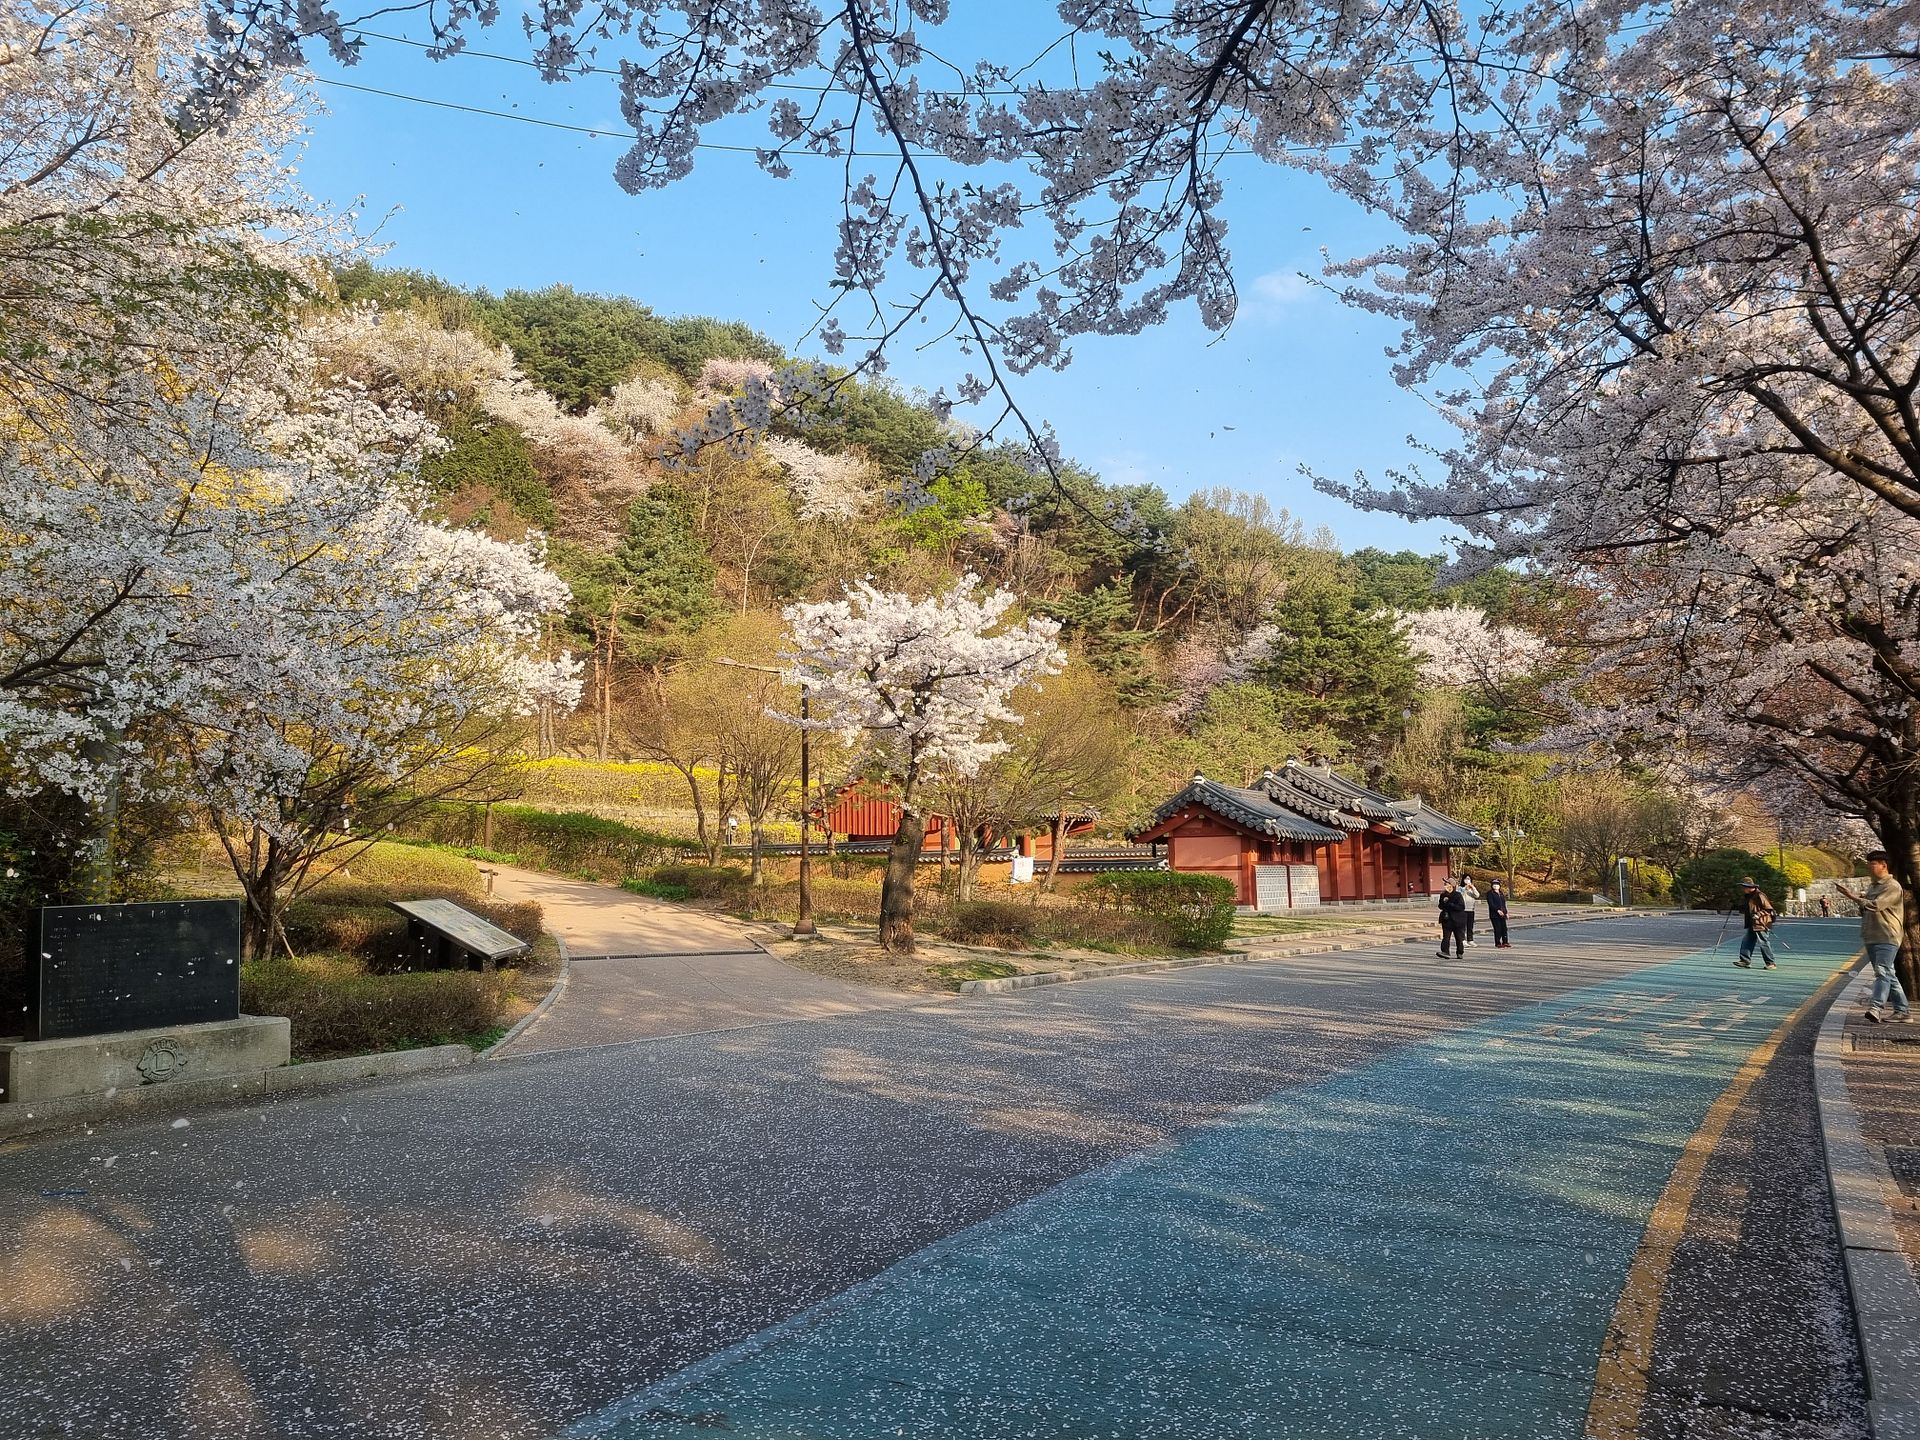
825,486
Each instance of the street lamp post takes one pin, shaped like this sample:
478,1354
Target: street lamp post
803,924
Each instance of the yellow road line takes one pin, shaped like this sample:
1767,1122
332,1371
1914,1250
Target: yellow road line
1620,1382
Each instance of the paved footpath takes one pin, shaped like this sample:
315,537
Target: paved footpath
642,969
1359,1196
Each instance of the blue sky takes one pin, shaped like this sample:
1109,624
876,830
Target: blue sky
484,201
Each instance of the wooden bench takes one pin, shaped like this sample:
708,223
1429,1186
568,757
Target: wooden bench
442,936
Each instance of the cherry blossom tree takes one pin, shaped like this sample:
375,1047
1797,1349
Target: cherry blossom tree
826,487
1457,647
220,586
257,620
407,357
926,684
639,409
1660,268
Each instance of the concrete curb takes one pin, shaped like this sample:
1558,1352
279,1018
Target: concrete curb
75,1111
554,991
1369,940
1886,1300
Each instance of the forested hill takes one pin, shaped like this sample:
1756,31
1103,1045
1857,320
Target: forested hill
1213,629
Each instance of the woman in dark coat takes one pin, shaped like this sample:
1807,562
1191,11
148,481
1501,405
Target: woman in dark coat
1453,921
1497,916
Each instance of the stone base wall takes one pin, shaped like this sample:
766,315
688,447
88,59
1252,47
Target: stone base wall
33,1070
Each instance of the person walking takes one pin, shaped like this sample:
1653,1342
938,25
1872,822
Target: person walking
1470,893
1453,924
1756,915
1882,924
1497,915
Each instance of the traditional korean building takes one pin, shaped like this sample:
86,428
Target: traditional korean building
1304,835
867,811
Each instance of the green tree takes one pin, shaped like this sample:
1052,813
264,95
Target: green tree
1713,880
953,503
1340,665
1393,579
1100,622
576,347
1243,729
492,456
639,605
671,578
894,429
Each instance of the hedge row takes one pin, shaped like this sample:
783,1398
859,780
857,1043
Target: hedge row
1198,909
563,841
336,1010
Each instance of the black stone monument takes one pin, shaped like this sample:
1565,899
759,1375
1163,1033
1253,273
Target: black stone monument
102,969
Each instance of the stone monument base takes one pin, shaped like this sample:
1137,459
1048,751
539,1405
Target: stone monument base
94,1064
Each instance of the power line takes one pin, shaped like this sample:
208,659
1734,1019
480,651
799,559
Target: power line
587,69
698,144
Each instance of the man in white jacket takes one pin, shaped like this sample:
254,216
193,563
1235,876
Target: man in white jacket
1471,894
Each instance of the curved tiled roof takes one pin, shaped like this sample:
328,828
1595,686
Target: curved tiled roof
1293,797
1250,809
1425,825
1336,790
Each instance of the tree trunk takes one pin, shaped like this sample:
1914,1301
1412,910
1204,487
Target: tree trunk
1053,860
969,838
260,927
603,707
754,828
896,891
708,846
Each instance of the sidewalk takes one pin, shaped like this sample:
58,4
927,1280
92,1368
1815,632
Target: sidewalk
1868,1081
1882,1067
642,969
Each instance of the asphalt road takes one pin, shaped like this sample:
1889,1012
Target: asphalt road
1365,1195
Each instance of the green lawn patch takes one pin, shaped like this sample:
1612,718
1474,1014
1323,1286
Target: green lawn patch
956,973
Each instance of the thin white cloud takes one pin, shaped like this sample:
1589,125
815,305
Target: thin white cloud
1273,294
1128,467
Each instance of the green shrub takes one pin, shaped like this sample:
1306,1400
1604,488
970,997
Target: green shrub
402,872
1549,895
1713,881
654,890
705,882
1198,909
372,932
1797,873
562,841
337,1009
1008,924
1650,882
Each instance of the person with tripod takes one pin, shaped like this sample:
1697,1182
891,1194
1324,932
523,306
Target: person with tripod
1756,914
1882,923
